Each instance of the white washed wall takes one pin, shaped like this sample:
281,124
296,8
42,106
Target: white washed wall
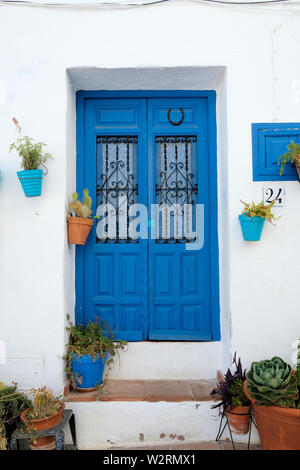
46,54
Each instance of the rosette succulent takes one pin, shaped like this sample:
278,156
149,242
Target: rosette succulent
273,383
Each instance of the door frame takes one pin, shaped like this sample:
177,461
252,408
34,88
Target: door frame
210,95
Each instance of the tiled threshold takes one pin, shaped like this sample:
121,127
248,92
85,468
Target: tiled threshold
146,390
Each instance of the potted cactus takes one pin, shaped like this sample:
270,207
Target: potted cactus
33,157
79,226
293,156
235,404
253,217
273,389
45,413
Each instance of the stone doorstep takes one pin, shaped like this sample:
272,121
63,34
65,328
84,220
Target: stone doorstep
147,390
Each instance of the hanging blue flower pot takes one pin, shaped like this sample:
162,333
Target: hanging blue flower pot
251,227
31,181
87,371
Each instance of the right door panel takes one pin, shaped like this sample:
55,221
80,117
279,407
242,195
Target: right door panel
179,269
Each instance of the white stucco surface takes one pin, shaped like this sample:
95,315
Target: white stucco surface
147,424
249,55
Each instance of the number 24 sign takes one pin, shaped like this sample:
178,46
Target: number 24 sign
278,193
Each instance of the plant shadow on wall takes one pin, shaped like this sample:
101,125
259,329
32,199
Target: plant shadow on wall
273,388
253,218
88,351
32,157
234,403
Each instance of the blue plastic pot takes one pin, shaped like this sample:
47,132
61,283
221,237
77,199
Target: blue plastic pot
87,371
31,181
251,227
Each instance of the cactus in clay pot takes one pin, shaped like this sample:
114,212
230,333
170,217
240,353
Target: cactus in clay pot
80,225
82,209
44,404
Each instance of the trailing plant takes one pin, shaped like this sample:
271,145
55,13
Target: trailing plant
12,404
3,439
273,383
81,209
90,340
298,366
31,153
230,389
292,155
44,405
260,210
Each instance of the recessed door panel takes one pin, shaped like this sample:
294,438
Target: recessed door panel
153,152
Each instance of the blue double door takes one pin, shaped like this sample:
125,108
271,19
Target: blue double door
144,272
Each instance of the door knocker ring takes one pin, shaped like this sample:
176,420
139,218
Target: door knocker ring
178,122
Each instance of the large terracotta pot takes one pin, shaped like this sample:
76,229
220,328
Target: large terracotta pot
79,229
238,417
48,442
278,428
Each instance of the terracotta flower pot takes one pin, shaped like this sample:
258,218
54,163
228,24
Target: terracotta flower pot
278,428
79,229
238,417
48,442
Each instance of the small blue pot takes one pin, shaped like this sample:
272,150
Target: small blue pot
251,227
87,371
31,181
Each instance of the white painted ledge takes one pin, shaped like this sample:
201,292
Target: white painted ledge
168,360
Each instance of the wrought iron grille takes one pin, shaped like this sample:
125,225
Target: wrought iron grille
176,173
117,184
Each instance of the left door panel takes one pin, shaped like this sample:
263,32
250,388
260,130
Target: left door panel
114,265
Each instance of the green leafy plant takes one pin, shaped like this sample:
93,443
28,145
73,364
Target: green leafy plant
292,155
298,365
230,389
81,209
31,153
12,404
44,404
260,210
238,396
90,340
273,383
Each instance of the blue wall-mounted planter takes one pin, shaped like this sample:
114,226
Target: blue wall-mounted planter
251,227
31,181
87,371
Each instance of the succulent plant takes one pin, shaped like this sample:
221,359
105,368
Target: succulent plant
273,383
44,404
82,209
230,389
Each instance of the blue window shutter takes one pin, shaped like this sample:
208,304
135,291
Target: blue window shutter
269,141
